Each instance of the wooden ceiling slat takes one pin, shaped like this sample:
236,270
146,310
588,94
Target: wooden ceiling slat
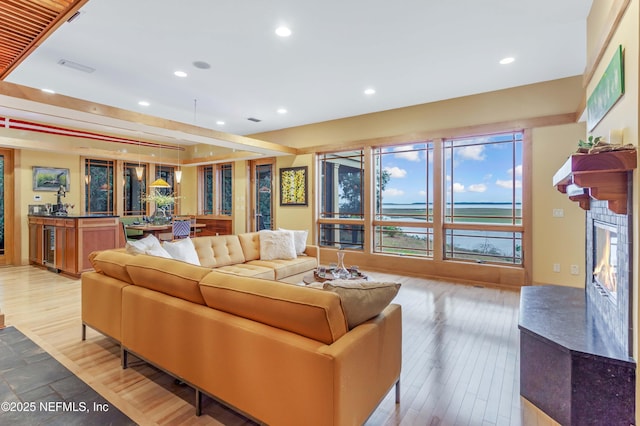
16,13
26,23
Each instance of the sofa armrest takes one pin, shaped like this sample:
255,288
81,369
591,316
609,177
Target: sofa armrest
368,358
313,251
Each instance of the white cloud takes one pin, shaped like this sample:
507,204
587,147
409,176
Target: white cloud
518,171
392,192
472,152
488,176
458,187
477,187
407,155
508,184
396,172
448,178
422,192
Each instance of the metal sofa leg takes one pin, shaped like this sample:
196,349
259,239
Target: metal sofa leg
84,332
398,392
123,357
198,402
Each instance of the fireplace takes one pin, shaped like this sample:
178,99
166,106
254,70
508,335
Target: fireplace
608,286
605,254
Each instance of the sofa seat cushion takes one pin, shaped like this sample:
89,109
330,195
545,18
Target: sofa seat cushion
169,276
218,251
286,268
309,312
248,270
112,263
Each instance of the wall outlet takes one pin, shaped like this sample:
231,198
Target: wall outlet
558,212
556,267
575,270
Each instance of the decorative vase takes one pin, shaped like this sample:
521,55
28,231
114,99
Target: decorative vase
159,217
341,272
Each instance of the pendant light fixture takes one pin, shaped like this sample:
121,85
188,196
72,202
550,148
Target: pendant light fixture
139,169
160,183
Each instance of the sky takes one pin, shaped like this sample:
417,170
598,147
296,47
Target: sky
478,173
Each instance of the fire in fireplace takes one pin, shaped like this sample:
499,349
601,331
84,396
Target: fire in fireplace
605,239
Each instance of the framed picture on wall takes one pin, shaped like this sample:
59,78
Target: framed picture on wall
50,179
293,186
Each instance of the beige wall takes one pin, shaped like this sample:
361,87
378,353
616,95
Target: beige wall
624,116
558,240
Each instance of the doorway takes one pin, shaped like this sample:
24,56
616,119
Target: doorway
7,239
262,172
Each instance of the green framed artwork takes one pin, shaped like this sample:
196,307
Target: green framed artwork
610,88
293,186
50,179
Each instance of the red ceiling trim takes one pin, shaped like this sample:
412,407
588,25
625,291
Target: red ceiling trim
10,123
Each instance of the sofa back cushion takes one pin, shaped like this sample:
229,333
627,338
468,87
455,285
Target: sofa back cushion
112,263
310,312
169,276
250,242
221,250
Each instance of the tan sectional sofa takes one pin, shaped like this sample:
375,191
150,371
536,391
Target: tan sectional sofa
280,353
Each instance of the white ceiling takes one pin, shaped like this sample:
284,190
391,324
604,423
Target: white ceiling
410,51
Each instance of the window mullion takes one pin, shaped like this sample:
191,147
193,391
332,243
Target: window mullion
439,201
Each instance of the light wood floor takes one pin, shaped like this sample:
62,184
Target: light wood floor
460,355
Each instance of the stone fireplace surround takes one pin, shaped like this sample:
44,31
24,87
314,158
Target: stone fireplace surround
611,317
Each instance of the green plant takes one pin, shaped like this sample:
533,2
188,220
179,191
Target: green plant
590,142
161,200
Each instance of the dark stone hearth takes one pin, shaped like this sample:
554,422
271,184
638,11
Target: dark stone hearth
568,368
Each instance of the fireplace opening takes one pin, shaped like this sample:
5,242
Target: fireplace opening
605,253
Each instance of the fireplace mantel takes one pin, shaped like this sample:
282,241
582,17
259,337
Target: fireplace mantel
601,176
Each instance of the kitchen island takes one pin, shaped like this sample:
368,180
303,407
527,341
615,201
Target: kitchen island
63,243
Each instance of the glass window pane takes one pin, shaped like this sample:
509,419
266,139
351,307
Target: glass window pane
484,246
226,189
99,186
342,236
341,184
483,179
406,241
134,190
404,183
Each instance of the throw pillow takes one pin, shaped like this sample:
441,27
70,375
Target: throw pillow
361,299
148,245
299,240
182,250
277,245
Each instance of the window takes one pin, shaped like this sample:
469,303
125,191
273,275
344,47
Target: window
341,199
467,205
168,174
218,189
134,190
99,186
483,191
403,221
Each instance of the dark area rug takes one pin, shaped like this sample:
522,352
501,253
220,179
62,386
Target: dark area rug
35,389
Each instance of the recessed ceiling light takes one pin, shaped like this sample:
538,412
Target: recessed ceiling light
180,74
508,60
48,91
144,103
369,91
283,31
282,111
220,123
